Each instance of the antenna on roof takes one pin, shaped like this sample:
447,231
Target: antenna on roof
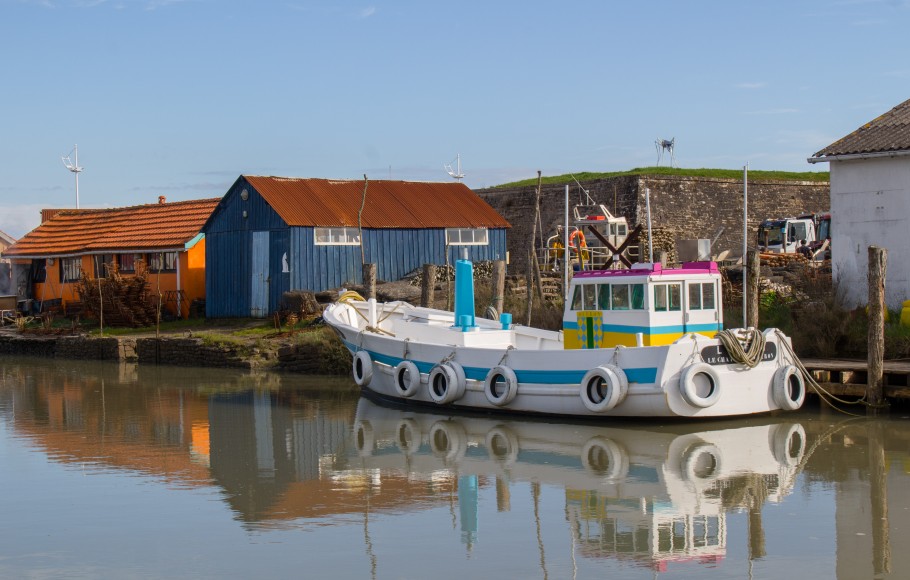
457,173
73,165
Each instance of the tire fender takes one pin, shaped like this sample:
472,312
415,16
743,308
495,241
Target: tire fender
693,381
501,385
446,383
407,379
362,368
788,388
603,388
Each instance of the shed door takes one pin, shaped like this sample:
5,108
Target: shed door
259,289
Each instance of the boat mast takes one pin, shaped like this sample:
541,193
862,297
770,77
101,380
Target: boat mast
745,233
565,249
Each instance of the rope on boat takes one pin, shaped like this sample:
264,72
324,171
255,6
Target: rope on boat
351,296
827,397
745,345
505,354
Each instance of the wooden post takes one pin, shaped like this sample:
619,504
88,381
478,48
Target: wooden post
753,288
369,280
878,259
428,286
532,255
499,284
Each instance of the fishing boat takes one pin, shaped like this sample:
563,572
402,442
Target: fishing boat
643,342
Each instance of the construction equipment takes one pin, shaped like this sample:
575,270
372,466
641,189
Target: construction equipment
786,235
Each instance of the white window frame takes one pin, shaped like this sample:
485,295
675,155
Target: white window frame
336,236
467,237
70,269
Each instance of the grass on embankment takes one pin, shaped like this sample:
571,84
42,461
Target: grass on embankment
820,176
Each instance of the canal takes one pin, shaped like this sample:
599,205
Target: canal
120,471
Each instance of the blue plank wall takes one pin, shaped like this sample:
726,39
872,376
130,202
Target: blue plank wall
396,252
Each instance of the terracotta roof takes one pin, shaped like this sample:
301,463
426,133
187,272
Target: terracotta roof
389,204
142,227
887,133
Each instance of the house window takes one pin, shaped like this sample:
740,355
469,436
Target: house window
667,298
337,236
467,237
103,265
128,262
701,296
163,262
70,269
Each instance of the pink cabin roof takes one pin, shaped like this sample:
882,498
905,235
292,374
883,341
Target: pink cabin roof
652,270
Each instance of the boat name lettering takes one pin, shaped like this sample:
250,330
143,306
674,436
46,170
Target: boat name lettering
718,355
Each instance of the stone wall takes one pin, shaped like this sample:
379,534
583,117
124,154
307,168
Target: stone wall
691,207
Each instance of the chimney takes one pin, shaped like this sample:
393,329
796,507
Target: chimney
161,199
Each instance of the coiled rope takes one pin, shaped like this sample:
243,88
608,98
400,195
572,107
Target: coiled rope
352,296
745,345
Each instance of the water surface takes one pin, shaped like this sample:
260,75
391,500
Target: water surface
119,471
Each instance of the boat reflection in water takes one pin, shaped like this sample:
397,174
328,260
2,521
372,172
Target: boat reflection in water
649,494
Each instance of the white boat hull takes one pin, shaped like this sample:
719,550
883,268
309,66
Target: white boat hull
550,379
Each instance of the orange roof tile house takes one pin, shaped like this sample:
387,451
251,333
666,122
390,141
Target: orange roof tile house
165,239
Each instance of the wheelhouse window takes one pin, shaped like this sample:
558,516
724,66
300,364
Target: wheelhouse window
163,262
701,296
103,263
70,269
609,297
337,236
667,297
467,236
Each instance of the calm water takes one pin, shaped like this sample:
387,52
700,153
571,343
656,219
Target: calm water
117,471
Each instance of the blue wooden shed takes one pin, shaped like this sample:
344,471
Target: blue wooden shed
270,235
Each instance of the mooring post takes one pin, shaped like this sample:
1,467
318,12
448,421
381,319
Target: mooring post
428,286
369,280
878,259
753,288
499,284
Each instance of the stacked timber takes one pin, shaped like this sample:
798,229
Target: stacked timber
123,301
664,241
782,260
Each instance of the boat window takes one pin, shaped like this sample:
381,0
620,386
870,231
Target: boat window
660,298
707,296
694,296
621,229
674,292
590,297
620,298
638,296
576,298
603,296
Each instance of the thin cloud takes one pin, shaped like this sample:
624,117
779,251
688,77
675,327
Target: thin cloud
752,86
367,12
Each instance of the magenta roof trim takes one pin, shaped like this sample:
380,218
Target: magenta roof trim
654,269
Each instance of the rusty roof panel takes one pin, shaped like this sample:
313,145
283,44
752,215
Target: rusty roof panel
388,204
887,133
142,227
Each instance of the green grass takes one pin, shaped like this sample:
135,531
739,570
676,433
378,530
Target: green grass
819,176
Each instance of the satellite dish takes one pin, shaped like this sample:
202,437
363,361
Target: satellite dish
73,165
457,174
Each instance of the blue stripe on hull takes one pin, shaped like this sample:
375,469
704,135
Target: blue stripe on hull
540,377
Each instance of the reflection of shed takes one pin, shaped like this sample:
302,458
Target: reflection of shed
270,235
163,238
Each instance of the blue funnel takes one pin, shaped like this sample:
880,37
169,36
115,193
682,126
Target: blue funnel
464,294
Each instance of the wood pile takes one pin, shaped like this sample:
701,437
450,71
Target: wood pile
782,260
664,241
123,301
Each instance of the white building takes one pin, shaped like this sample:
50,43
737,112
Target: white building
870,205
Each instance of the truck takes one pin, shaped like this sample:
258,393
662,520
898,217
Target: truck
785,235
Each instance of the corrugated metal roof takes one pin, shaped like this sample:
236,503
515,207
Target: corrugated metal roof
889,132
389,204
141,227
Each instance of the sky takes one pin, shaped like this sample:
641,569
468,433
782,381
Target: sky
180,97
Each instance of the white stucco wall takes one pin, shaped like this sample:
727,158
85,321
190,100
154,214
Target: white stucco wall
870,206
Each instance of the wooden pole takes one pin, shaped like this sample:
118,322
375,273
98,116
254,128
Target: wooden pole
369,280
878,258
428,286
754,276
532,255
499,285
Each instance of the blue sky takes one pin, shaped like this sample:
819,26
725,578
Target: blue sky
180,97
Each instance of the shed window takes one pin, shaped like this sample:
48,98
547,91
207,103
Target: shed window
467,236
128,262
163,262
70,269
103,264
337,236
